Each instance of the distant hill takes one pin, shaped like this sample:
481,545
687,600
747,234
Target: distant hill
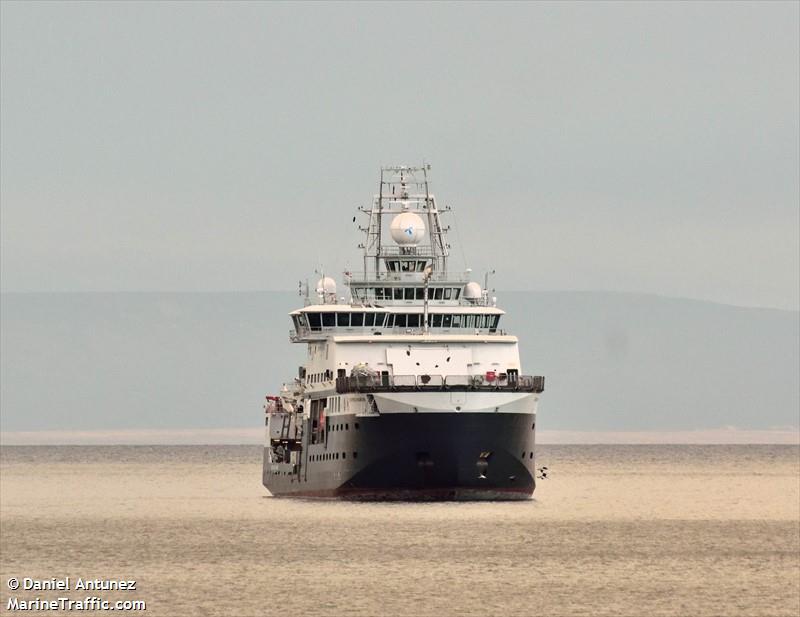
613,361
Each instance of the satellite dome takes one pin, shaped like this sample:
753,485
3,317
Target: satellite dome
326,285
472,291
407,229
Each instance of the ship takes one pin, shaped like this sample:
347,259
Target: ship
411,388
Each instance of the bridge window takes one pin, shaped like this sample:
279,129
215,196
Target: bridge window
357,319
343,319
413,320
398,293
457,321
437,293
328,320
448,292
436,321
314,321
400,321
470,321
410,293
446,321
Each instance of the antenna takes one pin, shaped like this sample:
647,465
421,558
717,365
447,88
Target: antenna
486,287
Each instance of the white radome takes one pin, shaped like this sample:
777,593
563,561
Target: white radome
326,285
407,229
472,291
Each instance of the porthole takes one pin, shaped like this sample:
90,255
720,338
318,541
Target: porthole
523,455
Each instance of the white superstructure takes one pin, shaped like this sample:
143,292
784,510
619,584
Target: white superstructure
409,322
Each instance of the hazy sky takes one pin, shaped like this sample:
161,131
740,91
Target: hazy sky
642,147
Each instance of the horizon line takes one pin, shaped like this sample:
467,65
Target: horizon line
255,436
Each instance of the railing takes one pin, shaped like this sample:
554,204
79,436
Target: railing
411,383
417,252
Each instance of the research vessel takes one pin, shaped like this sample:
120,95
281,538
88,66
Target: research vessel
411,388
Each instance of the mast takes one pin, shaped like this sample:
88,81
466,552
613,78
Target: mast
430,209
404,203
379,227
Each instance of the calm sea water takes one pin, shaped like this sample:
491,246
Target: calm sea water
614,530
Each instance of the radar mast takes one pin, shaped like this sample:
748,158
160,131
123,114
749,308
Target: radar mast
404,192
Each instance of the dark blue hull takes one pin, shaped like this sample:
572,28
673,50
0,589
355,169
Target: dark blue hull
420,456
